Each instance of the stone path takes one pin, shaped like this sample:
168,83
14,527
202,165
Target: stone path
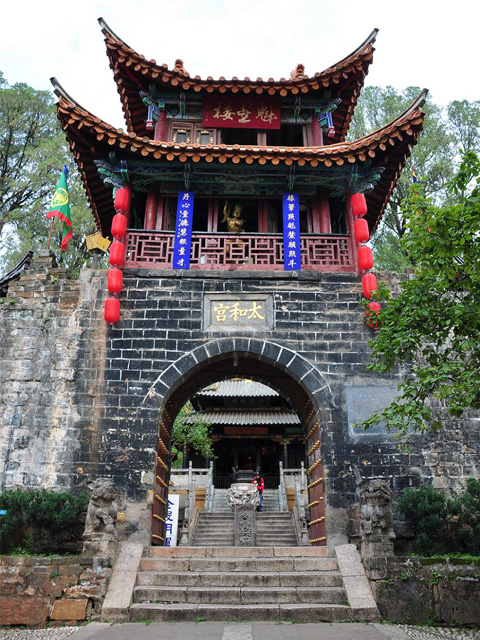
233,631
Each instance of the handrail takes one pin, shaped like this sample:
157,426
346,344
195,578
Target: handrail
189,507
209,490
282,494
299,512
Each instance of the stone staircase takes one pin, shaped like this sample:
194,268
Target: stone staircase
276,529
228,583
217,529
220,503
214,530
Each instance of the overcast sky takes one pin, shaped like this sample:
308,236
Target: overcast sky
425,44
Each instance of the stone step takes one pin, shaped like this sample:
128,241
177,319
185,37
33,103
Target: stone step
222,579
218,612
239,552
239,595
224,541
235,564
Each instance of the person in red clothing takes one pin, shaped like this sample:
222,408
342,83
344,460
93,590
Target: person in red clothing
258,480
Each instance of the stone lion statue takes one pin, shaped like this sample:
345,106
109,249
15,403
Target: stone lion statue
376,522
102,508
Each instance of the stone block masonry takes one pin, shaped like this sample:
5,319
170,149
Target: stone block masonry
81,400
58,590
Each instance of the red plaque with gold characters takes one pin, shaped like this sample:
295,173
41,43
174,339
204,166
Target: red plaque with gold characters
241,111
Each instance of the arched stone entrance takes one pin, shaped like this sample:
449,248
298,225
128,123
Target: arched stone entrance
270,363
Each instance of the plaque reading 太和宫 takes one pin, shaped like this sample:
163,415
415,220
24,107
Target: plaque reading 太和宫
229,311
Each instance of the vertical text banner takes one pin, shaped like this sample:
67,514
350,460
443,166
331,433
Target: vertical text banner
291,232
171,521
183,230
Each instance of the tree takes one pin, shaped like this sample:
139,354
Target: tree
190,430
32,153
433,159
464,120
432,328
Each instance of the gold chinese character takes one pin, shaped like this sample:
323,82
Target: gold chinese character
236,312
291,197
266,114
244,112
254,312
221,312
225,112
291,206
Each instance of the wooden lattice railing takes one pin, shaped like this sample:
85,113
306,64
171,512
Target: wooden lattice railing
255,251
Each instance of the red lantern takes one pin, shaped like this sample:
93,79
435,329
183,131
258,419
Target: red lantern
117,253
115,281
369,285
359,205
360,229
112,310
119,225
373,309
122,200
365,257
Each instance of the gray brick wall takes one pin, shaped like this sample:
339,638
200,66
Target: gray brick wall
80,399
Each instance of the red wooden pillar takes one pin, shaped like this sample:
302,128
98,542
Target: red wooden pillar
160,215
161,127
151,207
212,220
324,221
317,133
350,223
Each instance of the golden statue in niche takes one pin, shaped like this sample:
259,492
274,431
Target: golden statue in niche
231,216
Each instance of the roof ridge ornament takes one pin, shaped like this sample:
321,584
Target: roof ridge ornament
298,73
180,68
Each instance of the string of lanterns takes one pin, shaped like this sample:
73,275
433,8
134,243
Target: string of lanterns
365,257
117,255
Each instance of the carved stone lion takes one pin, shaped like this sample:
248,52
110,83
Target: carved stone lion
376,523
102,508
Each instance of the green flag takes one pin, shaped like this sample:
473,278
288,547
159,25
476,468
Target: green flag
60,207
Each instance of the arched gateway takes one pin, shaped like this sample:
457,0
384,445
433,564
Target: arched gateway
237,216
267,362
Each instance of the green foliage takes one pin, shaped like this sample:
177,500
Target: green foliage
435,158
41,521
433,327
190,430
33,151
444,523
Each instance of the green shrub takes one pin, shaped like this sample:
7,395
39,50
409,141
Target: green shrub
443,522
41,521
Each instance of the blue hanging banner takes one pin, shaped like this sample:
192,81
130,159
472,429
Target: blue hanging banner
291,232
183,231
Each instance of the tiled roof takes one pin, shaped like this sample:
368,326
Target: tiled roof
91,139
237,388
16,272
133,72
249,418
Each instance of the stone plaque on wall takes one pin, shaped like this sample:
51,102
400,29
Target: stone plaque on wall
362,401
250,311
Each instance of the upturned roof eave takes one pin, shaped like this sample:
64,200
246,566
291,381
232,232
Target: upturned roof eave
353,67
95,131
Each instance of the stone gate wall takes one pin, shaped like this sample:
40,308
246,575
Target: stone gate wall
75,394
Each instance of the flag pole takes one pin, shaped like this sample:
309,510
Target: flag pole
50,234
